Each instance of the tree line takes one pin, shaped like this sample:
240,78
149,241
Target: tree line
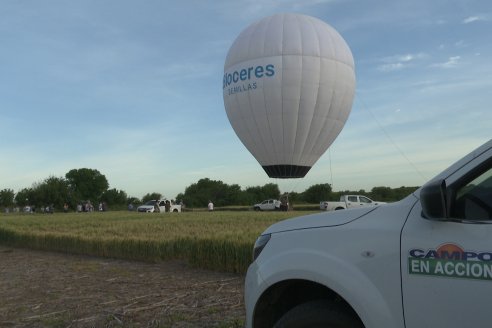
90,185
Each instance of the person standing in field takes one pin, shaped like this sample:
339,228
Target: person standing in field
210,206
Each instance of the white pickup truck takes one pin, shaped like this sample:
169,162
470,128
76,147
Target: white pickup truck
425,261
151,207
348,201
268,205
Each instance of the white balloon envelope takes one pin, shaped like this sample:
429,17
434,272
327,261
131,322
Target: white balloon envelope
288,87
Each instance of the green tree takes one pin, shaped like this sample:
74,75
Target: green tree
133,200
180,197
402,192
7,197
198,194
87,184
114,197
383,194
270,190
151,196
259,193
294,197
317,193
24,197
221,194
232,195
52,191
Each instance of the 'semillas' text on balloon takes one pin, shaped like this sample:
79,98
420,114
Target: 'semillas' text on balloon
246,74
241,88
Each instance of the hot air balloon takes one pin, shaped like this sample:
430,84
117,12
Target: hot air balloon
288,88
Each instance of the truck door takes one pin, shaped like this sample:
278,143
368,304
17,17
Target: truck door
447,265
352,201
364,201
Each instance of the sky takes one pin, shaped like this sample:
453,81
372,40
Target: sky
133,89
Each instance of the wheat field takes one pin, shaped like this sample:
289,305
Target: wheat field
221,241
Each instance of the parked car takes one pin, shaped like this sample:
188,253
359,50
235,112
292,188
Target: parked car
348,201
267,205
164,205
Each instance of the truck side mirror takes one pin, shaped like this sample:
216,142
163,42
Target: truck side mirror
433,200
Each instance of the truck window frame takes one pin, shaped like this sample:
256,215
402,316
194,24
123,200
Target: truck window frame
457,194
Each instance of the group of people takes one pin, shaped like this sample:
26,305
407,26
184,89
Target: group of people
41,209
31,209
87,207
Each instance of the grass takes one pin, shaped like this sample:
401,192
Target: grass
220,241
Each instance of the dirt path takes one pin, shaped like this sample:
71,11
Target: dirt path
44,289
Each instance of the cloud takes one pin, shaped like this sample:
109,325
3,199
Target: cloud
391,67
450,63
472,19
460,44
398,62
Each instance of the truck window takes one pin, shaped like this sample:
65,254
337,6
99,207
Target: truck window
474,199
364,199
352,199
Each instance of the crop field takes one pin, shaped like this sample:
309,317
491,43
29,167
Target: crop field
221,241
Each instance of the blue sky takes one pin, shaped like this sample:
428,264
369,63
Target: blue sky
134,90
